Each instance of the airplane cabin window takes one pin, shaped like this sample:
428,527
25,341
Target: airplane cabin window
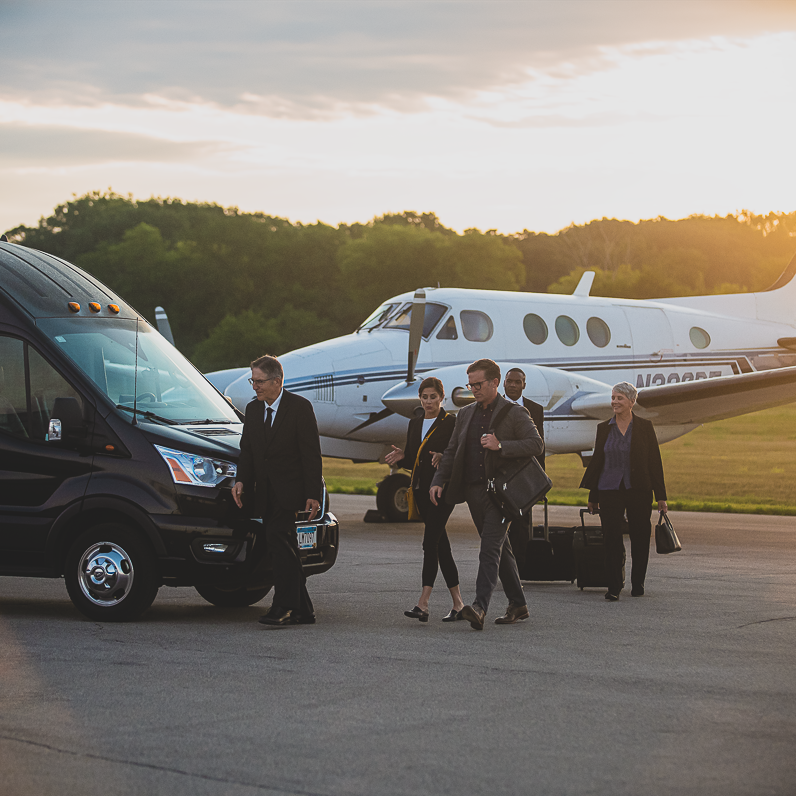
13,401
535,329
699,337
448,330
567,330
598,332
476,326
431,318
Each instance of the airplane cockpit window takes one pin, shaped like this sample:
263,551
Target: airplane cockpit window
598,332
535,329
433,314
377,317
567,330
476,326
448,330
699,337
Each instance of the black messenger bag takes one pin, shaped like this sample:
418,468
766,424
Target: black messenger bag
518,484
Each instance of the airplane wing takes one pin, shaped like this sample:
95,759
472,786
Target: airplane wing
703,401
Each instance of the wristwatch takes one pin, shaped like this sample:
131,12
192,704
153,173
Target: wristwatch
500,445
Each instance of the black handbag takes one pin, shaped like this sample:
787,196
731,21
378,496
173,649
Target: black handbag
518,484
666,540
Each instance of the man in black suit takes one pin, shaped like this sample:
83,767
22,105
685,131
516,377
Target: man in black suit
280,464
520,530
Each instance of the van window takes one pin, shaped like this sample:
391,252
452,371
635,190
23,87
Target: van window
13,400
164,383
476,326
27,414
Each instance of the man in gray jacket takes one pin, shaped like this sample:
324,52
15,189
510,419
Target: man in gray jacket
475,449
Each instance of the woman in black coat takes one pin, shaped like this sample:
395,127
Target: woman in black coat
622,475
426,440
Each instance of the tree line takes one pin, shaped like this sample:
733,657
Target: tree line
236,285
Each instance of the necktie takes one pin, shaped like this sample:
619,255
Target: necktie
268,418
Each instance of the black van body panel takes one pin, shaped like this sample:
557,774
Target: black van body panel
108,471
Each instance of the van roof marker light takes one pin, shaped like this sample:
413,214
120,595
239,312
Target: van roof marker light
94,306
74,306
114,308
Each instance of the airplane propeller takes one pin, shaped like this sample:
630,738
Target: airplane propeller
162,322
416,332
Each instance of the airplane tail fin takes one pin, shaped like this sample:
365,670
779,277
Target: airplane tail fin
778,303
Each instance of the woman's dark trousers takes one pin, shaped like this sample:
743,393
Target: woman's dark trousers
638,505
436,547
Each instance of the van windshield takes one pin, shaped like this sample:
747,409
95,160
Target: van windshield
165,384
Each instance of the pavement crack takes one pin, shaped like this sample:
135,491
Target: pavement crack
165,769
764,621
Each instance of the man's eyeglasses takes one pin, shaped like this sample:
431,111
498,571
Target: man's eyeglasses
260,382
477,385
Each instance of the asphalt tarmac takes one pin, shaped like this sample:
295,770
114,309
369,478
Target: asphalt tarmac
690,689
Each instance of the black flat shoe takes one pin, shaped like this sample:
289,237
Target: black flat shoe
637,592
417,613
277,616
452,616
612,598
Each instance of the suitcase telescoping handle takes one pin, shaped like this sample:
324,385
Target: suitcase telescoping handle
583,513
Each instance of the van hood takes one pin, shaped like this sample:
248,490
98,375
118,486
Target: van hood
215,441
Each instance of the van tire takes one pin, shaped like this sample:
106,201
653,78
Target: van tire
238,597
111,573
391,497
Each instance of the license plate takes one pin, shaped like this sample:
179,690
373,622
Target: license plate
307,537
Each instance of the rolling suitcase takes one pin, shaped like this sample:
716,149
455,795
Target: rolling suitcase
589,554
542,552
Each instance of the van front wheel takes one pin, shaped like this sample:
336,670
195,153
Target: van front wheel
111,574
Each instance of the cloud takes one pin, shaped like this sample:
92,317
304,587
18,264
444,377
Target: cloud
299,58
37,147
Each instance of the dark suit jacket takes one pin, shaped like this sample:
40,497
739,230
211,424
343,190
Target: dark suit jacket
288,457
517,435
646,468
536,412
442,429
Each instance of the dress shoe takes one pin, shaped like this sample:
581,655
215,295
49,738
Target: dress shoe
277,616
637,591
302,619
417,613
474,615
452,616
513,614
611,597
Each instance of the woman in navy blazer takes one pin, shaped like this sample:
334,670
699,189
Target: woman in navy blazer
434,427
622,475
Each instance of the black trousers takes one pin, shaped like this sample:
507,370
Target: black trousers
436,545
290,582
637,503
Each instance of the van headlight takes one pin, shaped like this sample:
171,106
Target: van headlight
191,468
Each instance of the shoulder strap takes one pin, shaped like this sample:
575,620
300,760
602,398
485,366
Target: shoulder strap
501,415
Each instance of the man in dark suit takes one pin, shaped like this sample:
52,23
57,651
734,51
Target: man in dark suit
476,448
513,389
280,465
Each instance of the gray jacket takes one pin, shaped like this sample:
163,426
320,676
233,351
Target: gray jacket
516,432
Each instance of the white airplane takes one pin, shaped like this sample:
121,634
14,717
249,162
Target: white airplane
694,360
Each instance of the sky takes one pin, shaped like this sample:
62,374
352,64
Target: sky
496,115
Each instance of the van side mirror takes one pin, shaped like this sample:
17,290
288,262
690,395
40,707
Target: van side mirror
66,420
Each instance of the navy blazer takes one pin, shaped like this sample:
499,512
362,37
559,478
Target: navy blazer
288,457
646,467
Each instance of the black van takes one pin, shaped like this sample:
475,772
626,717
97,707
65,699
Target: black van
117,456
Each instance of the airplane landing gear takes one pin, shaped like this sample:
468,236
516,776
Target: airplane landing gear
391,497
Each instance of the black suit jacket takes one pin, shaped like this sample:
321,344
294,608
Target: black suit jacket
288,458
537,415
646,468
442,429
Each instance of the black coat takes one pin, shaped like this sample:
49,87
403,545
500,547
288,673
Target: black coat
288,457
646,468
536,412
442,429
